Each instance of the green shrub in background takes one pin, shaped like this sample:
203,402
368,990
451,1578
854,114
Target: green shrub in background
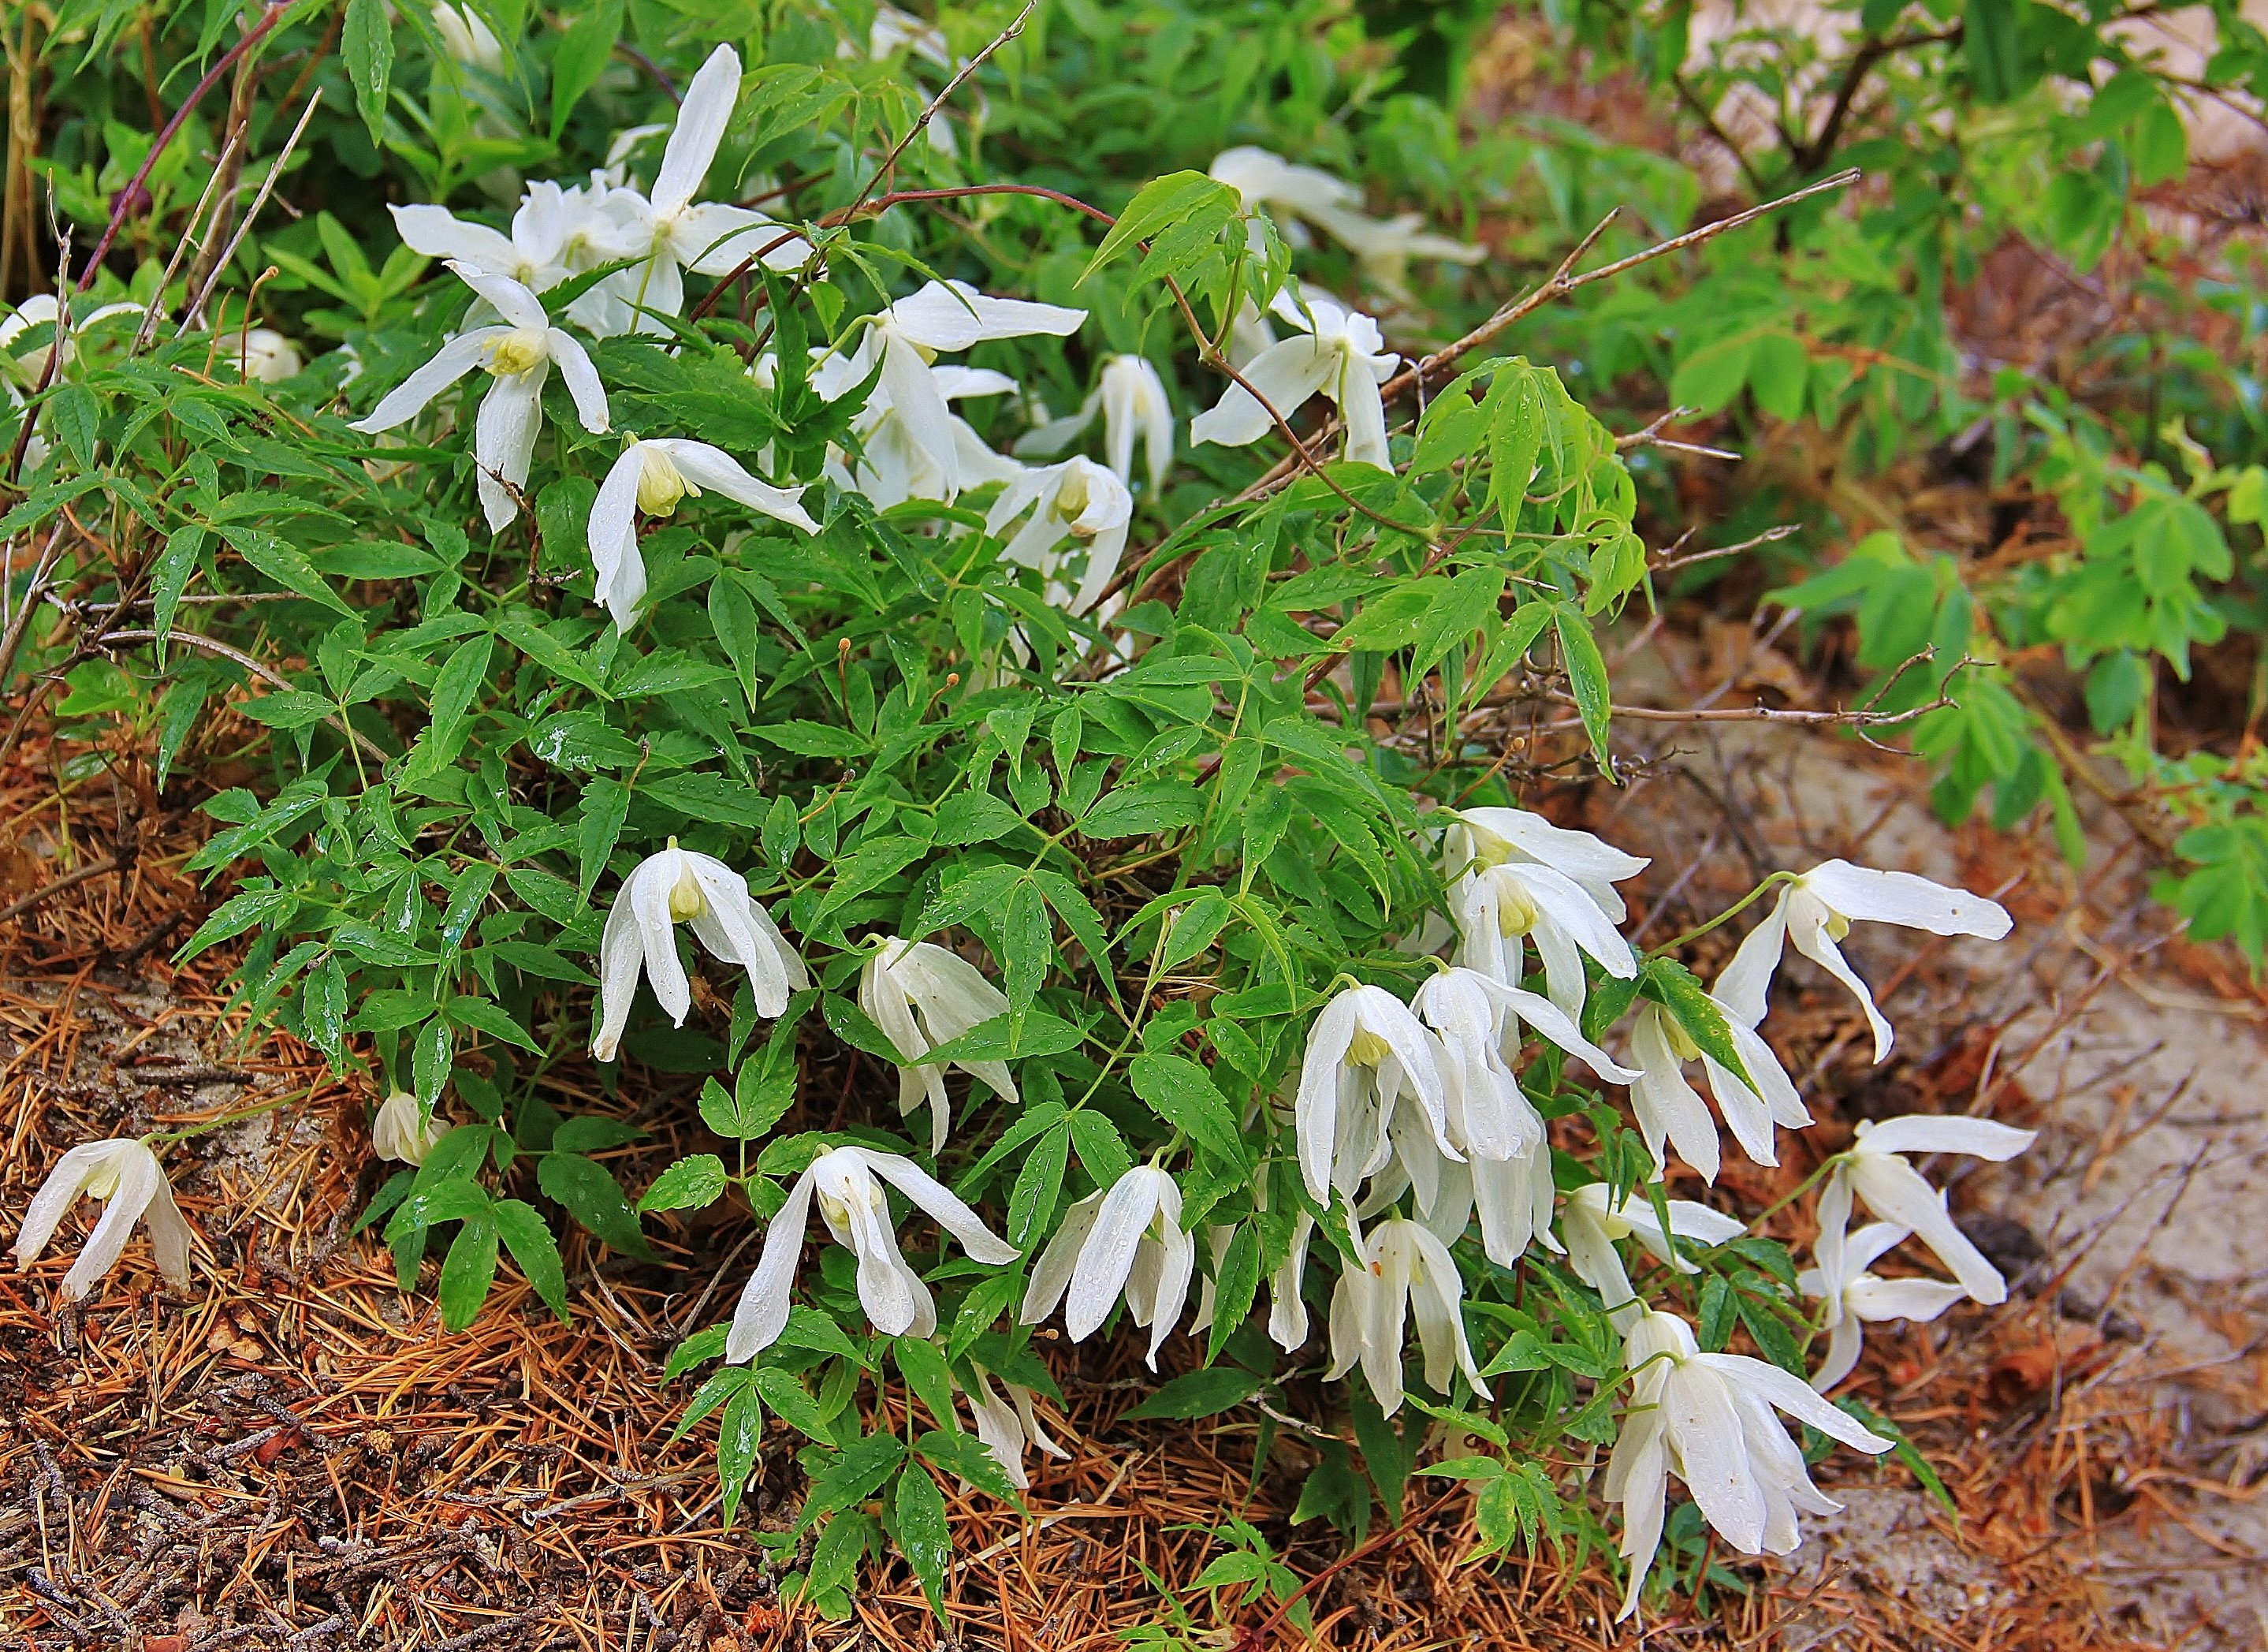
674,473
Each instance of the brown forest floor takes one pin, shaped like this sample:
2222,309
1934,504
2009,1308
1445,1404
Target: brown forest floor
291,1453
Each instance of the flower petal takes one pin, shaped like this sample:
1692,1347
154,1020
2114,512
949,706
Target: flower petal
1946,1132
519,308
700,121
504,441
435,232
582,381
1282,377
1745,986
458,355
933,1195
717,471
56,1195
1107,1257
612,537
1905,899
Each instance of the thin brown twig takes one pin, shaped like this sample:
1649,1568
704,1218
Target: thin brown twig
213,646
92,869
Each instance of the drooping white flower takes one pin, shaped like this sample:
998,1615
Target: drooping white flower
1005,1427
1873,1170
1131,398
1364,1051
1592,1224
42,309
1856,1297
1816,911
466,37
518,356
1515,877
1670,1110
403,1130
1263,178
891,466
943,318
650,479
125,1174
1076,500
1287,1308
551,231
670,230
1508,1170
264,356
1383,245
1707,1418
1404,1272
681,886
1335,352
857,1212
922,995
1126,1240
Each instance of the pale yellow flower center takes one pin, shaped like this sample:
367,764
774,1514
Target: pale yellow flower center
1837,926
1367,1049
1680,1040
1072,502
662,484
685,900
104,1182
520,350
1515,913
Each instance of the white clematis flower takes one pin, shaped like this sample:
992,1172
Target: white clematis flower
125,1174
857,1212
519,356
943,318
922,995
1855,1296
1707,1418
403,1130
264,356
1126,1240
1507,1172
891,466
551,231
1337,353
1005,1427
1405,1271
673,233
650,479
1384,246
1896,1191
1670,1110
1131,398
1592,1225
469,39
681,886
1365,1051
1816,911
1076,500
1516,877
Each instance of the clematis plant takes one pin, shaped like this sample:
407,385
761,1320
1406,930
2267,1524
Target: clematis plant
1365,1052
1707,1418
1874,1169
1076,500
922,996
405,1129
1131,398
1336,353
1852,1297
1126,1240
847,1184
1402,1272
125,1174
651,479
517,355
1815,911
682,886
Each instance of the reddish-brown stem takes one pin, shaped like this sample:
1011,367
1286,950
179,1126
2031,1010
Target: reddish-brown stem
124,204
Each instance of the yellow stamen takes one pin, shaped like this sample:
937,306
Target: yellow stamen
518,352
104,1182
1680,1040
1515,913
1367,1049
662,484
685,900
